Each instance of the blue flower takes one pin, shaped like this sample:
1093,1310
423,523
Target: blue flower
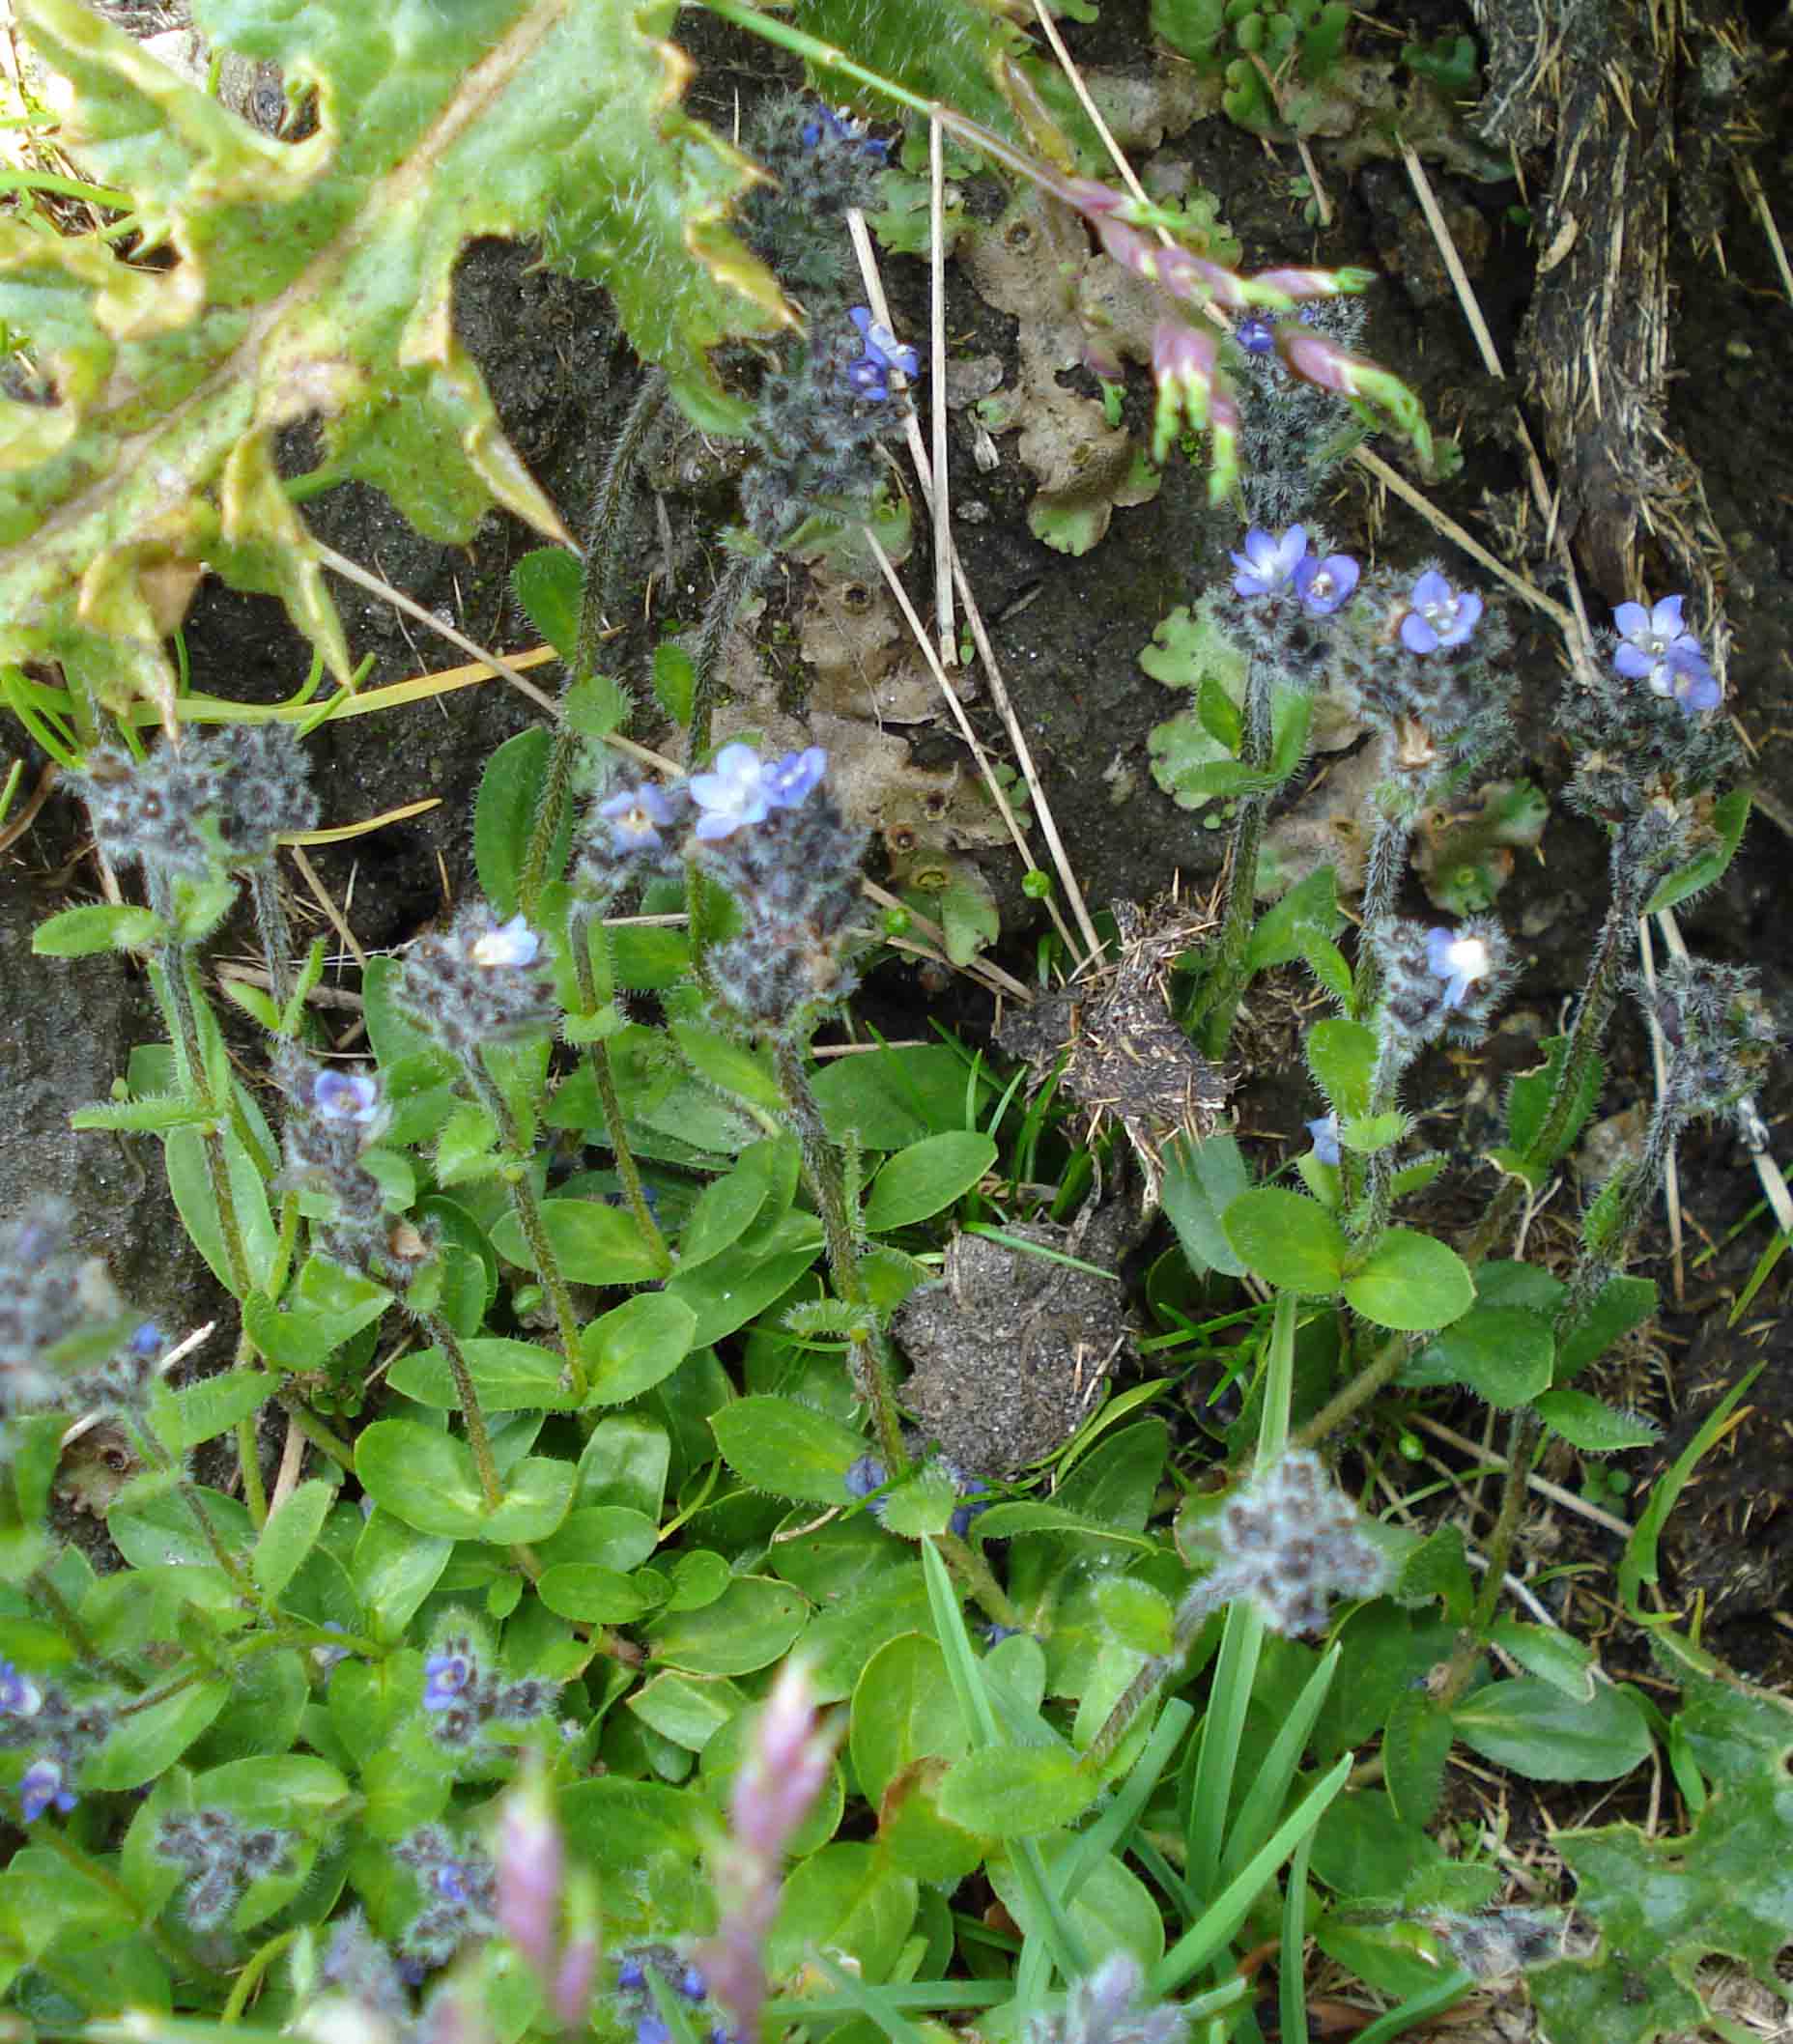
20,1696
346,1097
40,1787
868,374
446,1674
147,1341
731,794
1323,585
512,942
1658,650
451,1881
842,128
788,781
1257,336
651,2029
637,816
1325,1134
1459,960
691,1984
1268,563
631,1973
1439,616
864,1476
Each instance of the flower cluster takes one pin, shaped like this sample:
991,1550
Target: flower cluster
462,1695
685,1979
869,373
459,1885
771,835
332,1117
181,811
63,1731
1718,1033
57,1307
822,164
478,982
1292,431
1291,1541
221,1858
1438,982
1655,647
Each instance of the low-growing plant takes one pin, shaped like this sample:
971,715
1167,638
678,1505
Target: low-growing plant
625,1645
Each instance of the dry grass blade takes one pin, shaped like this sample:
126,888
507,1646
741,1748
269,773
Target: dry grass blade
1453,261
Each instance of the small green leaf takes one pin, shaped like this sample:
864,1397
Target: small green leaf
547,582
1537,1731
589,1595
393,1570
1730,816
903,1710
1201,1180
1416,1744
595,1244
289,1536
928,1177
421,1476
636,1346
510,792
102,926
1410,1281
1551,1653
1593,1426
727,1065
201,1411
755,1622
1502,1354
1288,1240
155,1116
510,1376
1621,1304
1342,1057
676,680
787,1449
1017,1791
147,1743
1369,1134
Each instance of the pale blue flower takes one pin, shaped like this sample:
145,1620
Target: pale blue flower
789,780
1325,1135
446,1675
512,942
1268,563
637,816
20,1696
1323,586
731,794
40,1788
1440,616
346,1097
1459,960
1256,335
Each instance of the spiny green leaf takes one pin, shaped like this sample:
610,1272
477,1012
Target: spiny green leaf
312,279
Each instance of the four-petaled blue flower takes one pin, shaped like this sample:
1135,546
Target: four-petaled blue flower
691,1984
1323,585
147,1341
631,1973
40,1788
20,1696
346,1097
451,1881
868,376
1326,1133
1460,961
788,781
1439,616
637,816
445,1676
512,942
1655,648
1268,563
732,793
1256,335
864,1476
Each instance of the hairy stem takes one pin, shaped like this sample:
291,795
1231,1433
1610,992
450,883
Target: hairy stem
1218,1003
273,929
827,1182
585,928
467,1392
741,574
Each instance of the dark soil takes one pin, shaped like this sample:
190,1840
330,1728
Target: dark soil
561,381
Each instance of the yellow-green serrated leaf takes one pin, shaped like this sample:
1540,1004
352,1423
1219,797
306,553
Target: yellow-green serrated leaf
312,280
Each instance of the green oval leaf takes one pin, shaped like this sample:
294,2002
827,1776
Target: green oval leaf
1410,1281
1289,1240
926,1177
594,1596
147,1742
1017,1791
593,1243
78,932
1532,1727
1593,1426
788,1449
1342,1057
755,1622
636,1346
510,1376
421,1476
1502,1354
287,1537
